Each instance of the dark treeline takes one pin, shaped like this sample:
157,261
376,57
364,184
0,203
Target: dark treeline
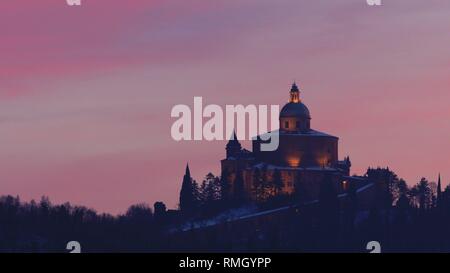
406,218
215,194
41,226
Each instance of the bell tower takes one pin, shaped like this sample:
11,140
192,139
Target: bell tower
233,147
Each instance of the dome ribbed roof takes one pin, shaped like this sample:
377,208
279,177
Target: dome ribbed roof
293,109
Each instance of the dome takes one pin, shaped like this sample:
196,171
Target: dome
296,110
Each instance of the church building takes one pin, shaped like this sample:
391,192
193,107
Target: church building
304,158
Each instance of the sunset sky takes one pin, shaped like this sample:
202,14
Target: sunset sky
86,92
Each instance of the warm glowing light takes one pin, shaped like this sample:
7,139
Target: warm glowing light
323,161
344,185
294,98
293,161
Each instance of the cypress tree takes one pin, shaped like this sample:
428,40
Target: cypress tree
187,193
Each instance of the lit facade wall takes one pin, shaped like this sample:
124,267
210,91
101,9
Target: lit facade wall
300,150
306,180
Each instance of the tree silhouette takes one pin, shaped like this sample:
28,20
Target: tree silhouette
300,193
225,187
210,194
390,185
257,185
422,194
328,212
139,213
188,193
262,188
439,193
239,188
277,181
210,189
414,223
160,210
328,200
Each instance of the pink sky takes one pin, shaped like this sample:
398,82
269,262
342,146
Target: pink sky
86,92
